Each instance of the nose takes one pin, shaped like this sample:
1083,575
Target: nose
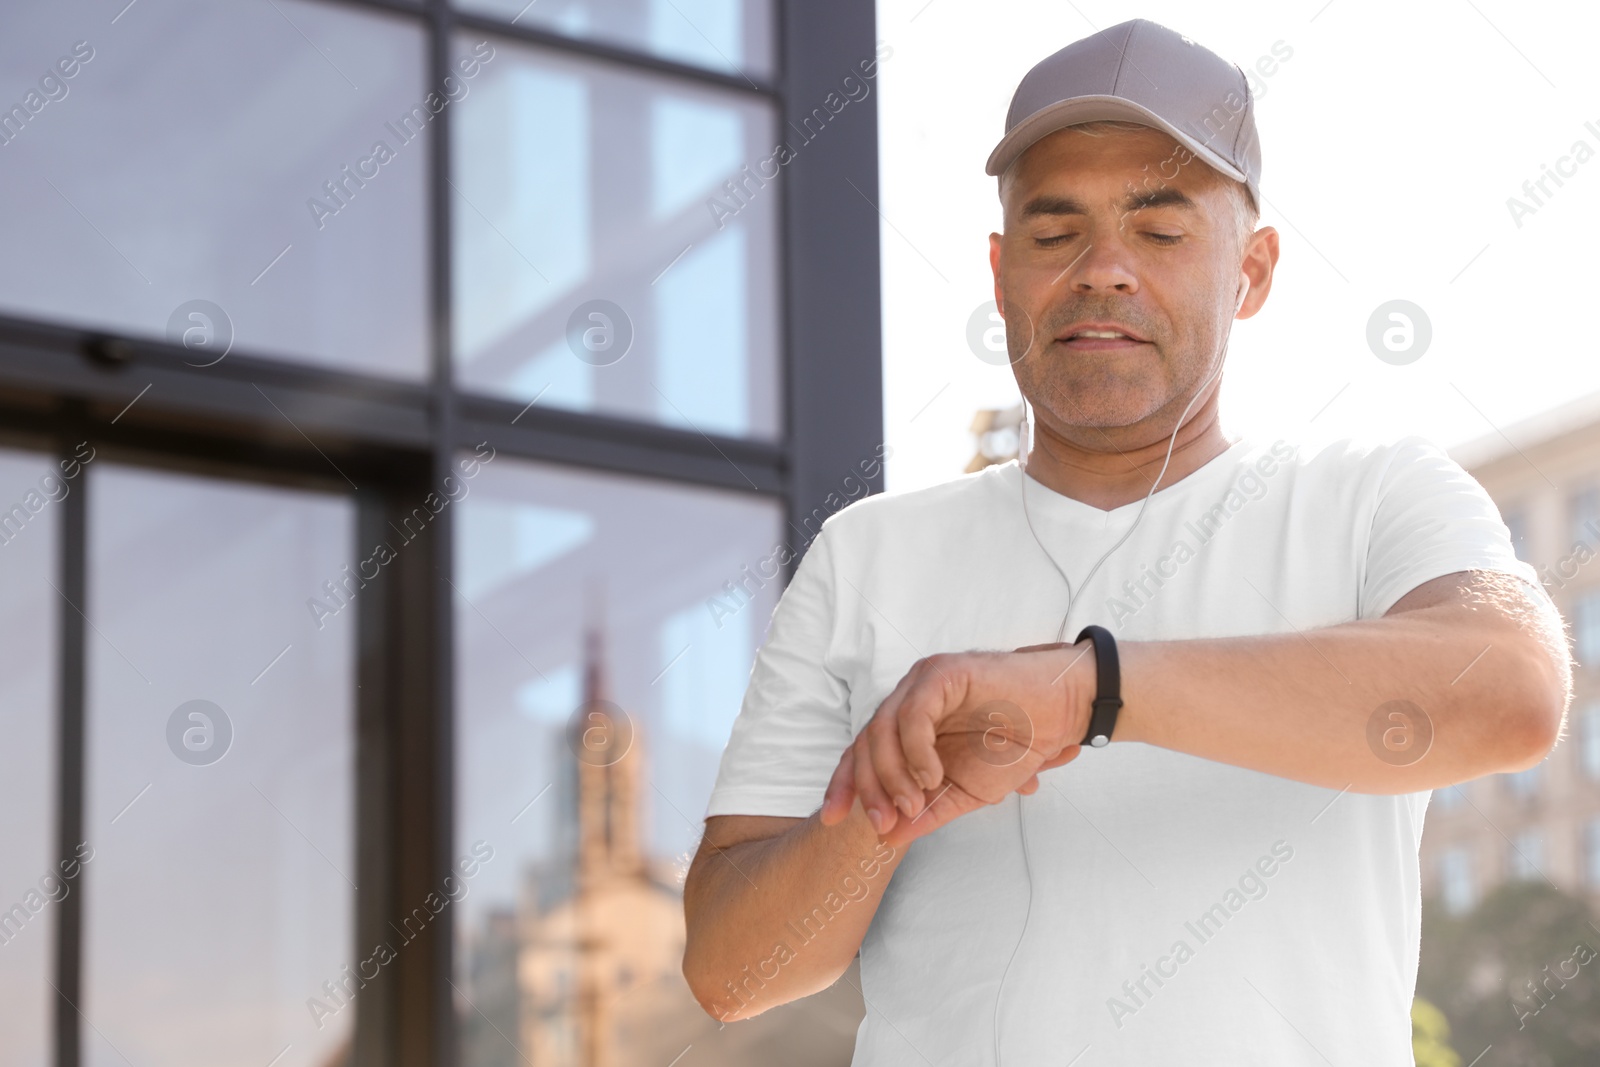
1102,267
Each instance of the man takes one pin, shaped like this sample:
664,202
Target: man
1309,640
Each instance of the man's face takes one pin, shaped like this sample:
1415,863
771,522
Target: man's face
1125,232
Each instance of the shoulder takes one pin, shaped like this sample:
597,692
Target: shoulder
1357,455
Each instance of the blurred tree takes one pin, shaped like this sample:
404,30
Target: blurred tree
1519,972
1430,1037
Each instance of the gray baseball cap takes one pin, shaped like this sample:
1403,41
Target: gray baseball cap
1140,71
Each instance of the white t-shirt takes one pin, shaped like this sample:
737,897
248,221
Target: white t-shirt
1254,919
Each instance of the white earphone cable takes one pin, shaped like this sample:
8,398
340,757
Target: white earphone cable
1022,481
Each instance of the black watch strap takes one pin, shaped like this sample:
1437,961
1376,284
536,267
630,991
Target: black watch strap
1108,686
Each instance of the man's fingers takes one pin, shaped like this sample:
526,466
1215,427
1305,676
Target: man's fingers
880,809
841,794
917,734
907,680
889,762
1065,756
919,714
945,804
878,803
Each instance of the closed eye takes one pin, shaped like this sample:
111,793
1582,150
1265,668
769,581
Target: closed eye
1165,239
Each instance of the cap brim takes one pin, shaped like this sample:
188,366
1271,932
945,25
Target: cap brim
1064,113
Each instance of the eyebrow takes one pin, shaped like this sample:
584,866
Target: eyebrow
1066,205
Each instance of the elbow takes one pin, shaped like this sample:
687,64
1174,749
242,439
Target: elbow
694,976
726,993
705,992
1546,692
701,966
700,989
697,975
1539,730
694,969
1535,739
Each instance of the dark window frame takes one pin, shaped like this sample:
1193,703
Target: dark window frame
137,400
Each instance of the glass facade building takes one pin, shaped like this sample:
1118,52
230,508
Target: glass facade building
400,403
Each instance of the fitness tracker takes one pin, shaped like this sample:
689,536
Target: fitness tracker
1108,686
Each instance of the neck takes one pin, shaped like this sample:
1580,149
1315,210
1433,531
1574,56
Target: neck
1107,467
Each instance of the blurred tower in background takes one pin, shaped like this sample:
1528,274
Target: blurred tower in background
616,929
598,937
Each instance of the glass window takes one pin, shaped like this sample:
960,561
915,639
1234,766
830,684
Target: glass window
1448,798
605,631
1589,739
219,757
1586,629
1455,880
1516,520
728,35
1592,851
611,252
1525,858
211,174
32,881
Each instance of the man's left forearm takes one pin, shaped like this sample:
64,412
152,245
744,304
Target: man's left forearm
1488,687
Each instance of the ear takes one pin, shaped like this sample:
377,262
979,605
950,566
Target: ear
994,266
1260,260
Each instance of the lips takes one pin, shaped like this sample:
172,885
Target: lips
1101,336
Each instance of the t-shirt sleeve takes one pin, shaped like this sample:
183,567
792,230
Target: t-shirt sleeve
794,723
1432,518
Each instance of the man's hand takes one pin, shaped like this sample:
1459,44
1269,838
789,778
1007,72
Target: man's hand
961,731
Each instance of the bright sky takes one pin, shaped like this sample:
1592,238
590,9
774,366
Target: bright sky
1392,138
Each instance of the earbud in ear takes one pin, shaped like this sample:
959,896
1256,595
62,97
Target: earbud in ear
1244,291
